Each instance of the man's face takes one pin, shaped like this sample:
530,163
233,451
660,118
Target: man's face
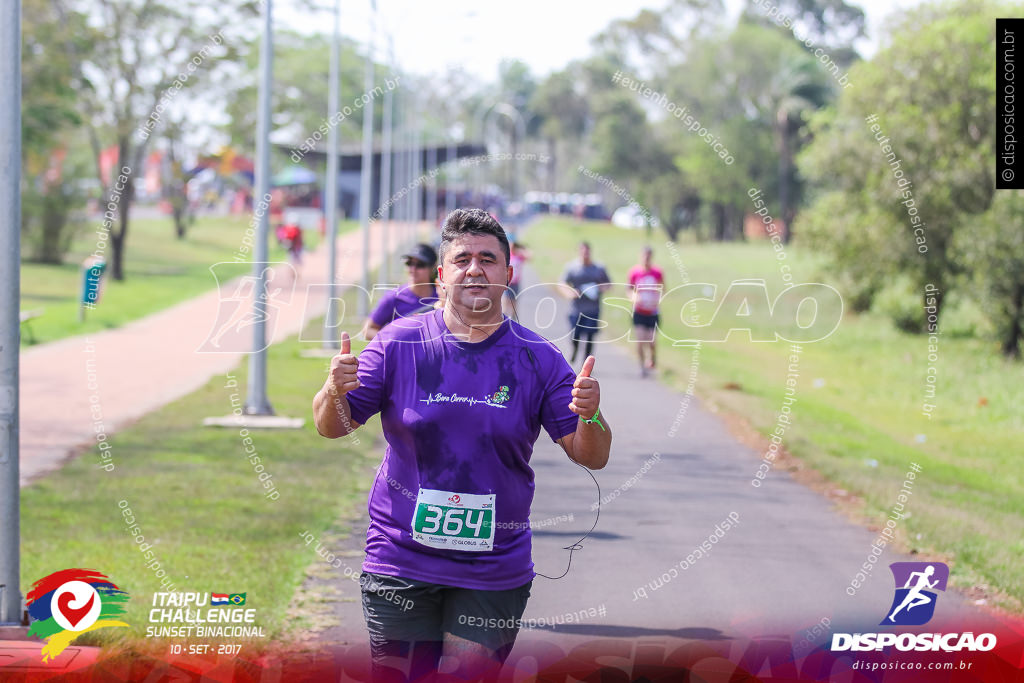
585,253
474,273
418,271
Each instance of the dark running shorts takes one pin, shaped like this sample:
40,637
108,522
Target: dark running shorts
583,325
400,612
645,320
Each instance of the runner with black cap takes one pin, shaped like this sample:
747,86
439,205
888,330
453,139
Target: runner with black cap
416,296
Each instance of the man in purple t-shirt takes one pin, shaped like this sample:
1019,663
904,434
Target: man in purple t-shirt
463,393
416,296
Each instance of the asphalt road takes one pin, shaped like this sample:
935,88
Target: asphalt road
675,474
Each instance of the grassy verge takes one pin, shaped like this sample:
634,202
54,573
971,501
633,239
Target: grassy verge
196,498
160,271
858,419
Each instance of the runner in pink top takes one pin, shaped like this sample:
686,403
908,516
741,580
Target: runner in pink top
518,256
646,282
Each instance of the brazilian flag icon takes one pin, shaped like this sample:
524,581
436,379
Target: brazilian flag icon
236,598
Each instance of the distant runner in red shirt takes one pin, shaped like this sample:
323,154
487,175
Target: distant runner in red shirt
291,237
646,283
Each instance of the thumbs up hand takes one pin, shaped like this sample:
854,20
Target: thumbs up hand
586,392
343,375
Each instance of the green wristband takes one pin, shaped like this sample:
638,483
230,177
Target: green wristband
594,419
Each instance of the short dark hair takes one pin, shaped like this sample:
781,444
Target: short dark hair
471,222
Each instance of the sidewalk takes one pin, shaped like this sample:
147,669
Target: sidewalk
148,363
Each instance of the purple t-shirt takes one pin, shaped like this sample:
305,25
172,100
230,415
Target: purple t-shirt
451,501
399,303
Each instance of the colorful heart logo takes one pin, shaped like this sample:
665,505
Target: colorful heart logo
69,602
76,605
74,615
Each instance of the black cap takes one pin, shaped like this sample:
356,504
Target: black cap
422,252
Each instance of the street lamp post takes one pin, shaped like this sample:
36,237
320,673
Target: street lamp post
518,133
385,171
256,402
330,323
10,303
365,178
431,188
417,137
481,121
449,194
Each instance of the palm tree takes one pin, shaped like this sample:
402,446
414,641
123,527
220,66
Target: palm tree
563,111
798,85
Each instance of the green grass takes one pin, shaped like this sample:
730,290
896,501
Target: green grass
967,501
196,498
160,271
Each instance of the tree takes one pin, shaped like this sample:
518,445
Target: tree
799,86
924,158
993,254
748,90
832,25
658,37
142,54
175,191
563,111
299,98
51,170
515,82
447,104
623,141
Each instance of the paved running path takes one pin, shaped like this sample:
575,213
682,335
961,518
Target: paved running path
148,363
780,571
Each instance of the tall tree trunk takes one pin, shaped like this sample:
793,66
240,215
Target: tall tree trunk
1011,343
175,193
673,226
720,221
177,211
937,270
783,137
939,297
126,201
514,167
116,255
739,215
552,165
118,236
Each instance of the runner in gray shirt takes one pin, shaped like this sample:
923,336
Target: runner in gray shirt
586,281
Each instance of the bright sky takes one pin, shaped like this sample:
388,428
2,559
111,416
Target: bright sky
546,34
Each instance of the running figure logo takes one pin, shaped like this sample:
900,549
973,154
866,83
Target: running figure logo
231,331
916,583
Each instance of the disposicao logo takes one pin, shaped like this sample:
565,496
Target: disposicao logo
913,605
68,603
916,583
